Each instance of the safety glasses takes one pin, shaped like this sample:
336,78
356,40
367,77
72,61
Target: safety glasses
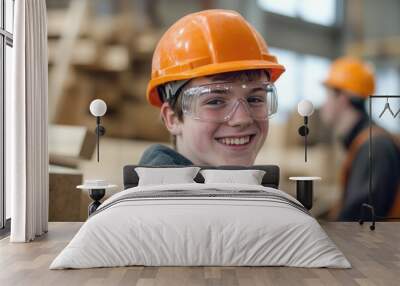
218,102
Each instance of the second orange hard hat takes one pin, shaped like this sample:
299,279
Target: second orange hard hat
206,43
351,75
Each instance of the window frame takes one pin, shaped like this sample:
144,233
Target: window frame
297,17
301,36
6,39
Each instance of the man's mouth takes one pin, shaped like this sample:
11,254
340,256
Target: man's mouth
236,140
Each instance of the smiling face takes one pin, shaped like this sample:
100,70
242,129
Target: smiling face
234,142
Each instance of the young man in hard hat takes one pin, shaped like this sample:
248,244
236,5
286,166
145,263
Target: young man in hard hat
212,78
349,83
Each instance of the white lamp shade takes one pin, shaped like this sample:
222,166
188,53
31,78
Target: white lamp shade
98,107
305,108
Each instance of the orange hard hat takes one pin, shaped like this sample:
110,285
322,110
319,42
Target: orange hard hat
351,75
206,43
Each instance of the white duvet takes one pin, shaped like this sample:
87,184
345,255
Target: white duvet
207,230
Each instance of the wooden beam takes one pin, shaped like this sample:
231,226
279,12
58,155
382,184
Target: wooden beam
386,47
72,25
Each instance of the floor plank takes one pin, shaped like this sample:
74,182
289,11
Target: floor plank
374,255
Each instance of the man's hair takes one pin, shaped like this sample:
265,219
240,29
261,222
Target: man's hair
358,104
175,102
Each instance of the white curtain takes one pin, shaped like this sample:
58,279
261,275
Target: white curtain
26,124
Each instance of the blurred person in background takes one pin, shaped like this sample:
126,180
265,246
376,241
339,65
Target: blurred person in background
349,83
213,80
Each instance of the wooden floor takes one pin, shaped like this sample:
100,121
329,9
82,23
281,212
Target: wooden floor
375,257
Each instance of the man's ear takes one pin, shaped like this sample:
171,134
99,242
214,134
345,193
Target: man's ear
171,120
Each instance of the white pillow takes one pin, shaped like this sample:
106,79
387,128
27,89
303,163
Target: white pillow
162,176
248,177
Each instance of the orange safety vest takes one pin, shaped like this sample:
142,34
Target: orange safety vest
355,146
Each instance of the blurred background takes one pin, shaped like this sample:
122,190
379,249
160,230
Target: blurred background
103,49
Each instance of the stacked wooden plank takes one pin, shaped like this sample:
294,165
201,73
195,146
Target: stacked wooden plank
68,146
111,60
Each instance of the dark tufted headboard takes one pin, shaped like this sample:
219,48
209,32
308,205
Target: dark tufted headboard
270,179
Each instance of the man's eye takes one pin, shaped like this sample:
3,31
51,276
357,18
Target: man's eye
256,99
215,102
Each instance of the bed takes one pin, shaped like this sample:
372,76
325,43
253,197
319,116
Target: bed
201,224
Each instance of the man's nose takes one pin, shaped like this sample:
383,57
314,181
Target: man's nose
240,115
